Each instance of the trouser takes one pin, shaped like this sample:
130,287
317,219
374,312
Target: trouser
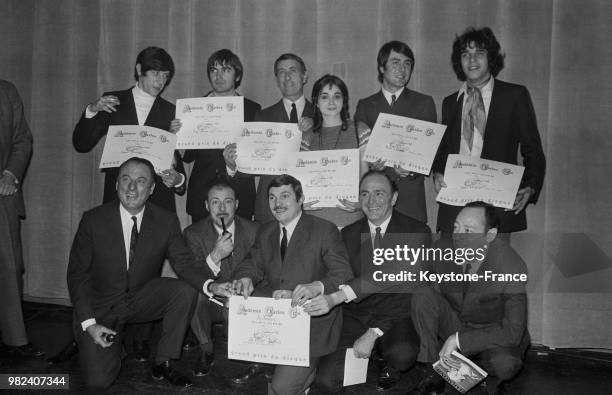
206,313
292,380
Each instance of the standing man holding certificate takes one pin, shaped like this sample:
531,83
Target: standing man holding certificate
296,256
224,70
395,65
489,119
291,76
140,105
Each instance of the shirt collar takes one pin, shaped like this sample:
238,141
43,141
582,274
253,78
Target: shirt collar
486,90
231,228
388,94
383,226
127,217
290,226
299,105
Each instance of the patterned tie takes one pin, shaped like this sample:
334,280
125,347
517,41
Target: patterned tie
393,99
133,241
378,238
293,115
283,246
474,115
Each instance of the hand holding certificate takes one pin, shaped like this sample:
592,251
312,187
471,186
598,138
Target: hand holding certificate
125,141
470,179
264,147
268,330
327,176
406,142
209,122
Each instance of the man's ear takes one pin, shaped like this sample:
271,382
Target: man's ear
305,78
491,235
301,200
152,188
394,198
138,69
237,201
206,204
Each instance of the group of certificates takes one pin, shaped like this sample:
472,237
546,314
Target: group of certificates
326,176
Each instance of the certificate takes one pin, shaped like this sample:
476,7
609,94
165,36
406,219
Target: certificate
126,141
327,176
406,142
209,122
265,147
470,179
268,330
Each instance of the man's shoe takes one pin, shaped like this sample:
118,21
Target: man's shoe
255,369
141,350
431,384
26,351
65,355
203,364
174,377
387,378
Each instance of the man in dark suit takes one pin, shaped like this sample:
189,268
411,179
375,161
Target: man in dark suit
224,70
114,278
140,105
291,76
222,240
296,256
15,152
490,119
395,66
380,312
486,320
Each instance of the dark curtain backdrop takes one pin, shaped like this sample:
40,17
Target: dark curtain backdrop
63,54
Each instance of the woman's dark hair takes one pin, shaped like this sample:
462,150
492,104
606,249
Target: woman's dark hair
317,88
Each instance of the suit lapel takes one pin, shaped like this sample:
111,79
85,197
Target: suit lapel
144,236
298,238
492,118
280,113
155,110
115,234
240,241
130,108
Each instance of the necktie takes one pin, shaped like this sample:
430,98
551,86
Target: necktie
133,241
474,115
393,99
378,238
467,270
283,246
293,115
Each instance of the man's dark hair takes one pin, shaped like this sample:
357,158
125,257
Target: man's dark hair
225,57
287,56
482,39
286,179
382,174
219,184
154,58
140,161
385,51
491,217
330,80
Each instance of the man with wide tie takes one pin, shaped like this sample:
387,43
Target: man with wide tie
114,278
395,65
297,256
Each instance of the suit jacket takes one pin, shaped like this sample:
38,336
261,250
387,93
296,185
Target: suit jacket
98,277
492,314
275,113
511,122
209,166
315,253
88,131
411,199
202,236
15,142
380,304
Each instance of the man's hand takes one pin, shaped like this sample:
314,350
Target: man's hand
379,165
322,304
362,348
449,346
171,177
221,289
8,184
305,123
439,182
304,145
522,199
401,172
175,126
244,287
282,294
348,206
98,333
363,134
304,292
104,103
230,154
308,206
223,247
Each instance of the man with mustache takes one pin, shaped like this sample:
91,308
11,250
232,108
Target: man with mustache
296,256
395,65
222,240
